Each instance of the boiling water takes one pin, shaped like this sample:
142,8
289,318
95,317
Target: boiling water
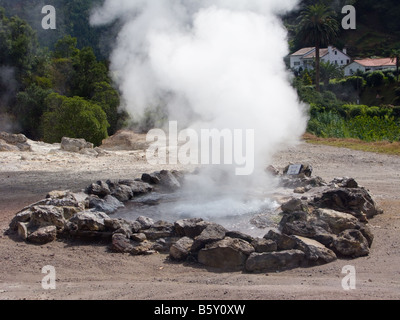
252,215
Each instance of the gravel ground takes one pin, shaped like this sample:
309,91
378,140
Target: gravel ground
91,271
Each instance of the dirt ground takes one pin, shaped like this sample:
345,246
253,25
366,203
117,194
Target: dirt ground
91,271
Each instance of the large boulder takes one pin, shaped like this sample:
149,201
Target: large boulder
190,227
165,179
283,241
90,220
138,187
213,232
43,235
351,243
107,205
43,216
160,229
125,140
275,261
315,252
75,145
226,254
337,221
14,142
99,188
180,250
355,201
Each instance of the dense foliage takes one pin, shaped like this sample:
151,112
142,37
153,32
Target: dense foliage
31,73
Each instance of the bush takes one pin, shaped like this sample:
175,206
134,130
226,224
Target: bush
328,124
374,128
375,79
75,118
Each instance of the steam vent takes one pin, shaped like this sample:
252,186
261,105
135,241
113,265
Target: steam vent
318,223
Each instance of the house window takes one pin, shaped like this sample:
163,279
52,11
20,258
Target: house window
351,71
297,63
348,61
341,62
335,53
336,62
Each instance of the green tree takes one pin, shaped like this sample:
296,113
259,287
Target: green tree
88,72
109,100
317,27
329,71
29,109
75,118
66,48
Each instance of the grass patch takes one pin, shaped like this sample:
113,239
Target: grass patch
385,147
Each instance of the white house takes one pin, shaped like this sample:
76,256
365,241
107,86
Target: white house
369,65
305,57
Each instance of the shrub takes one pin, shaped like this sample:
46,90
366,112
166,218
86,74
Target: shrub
328,124
374,128
75,118
375,79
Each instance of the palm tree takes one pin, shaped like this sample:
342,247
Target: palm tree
317,27
395,54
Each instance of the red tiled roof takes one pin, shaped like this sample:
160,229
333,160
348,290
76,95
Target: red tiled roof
380,62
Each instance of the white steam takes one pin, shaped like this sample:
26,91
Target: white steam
215,63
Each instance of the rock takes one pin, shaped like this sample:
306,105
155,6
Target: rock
145,222
168,181
43,235
5,147
283,241
160,229
14,142
152,178
302,182
356,201
143,248
125,140
75,145
100,189
300,190
122,192
272,170
337,221
190,227
89,220
23,216
345,182
181,249
120,243
351,243
264,245
43,216
367,233
275,261
138,187
305,170
108,205
316,253
213,232
294,205
22,230
240,235
226,254
114,225
138,237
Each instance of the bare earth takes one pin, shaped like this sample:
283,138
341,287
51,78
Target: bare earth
91,271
